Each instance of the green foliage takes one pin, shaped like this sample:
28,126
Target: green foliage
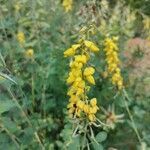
33,101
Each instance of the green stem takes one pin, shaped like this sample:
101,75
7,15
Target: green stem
13,138
33,94
84,138
131,117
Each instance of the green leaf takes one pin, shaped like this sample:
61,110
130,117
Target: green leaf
101,136
6,106
97,146
75,144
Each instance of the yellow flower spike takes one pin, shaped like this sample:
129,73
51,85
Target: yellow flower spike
89,71
93,102
21,37
69,52
91,46
78,78
29,53
90,79
113,61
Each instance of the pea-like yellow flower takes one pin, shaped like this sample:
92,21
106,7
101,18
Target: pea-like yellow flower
81,59
93,102
21,37
90,79
29,53
91,117
80,104
89,71
71,51
91,46
93,110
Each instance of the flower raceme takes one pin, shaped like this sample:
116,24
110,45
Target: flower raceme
80,78
112,60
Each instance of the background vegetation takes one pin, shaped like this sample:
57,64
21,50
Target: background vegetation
33,99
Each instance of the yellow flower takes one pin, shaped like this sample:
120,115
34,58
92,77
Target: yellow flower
86,108
67,5
70,79
90,79
105,74
91,117
89,71
21,37
93,110
73,99
29,53
91,46
80,104
113,61
81,58
69,52
93,102
79,91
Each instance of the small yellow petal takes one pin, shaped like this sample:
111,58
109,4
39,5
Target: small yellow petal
89,71
93,101
69,52
91,46
90,79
